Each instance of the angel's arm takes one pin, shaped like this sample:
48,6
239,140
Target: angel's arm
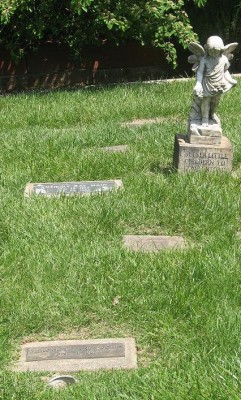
198,88
200,71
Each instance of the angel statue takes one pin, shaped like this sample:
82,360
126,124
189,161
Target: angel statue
211,65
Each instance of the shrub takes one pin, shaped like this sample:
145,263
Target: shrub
162,23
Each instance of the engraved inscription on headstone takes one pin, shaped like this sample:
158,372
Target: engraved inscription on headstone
71,188
196,159
77,355
102,350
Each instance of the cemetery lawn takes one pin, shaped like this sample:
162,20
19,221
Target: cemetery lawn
65,273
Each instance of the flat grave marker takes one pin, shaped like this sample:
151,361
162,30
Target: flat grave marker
141,122
148,243
71,188
121,148
77,355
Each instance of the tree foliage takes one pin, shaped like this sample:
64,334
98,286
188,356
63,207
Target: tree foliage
222,18
27,23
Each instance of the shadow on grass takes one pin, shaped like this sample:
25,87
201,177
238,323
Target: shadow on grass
87,88
156,168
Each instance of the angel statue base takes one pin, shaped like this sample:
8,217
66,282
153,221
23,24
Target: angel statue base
211,65
204,147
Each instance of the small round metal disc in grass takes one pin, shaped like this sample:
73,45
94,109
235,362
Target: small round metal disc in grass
61,381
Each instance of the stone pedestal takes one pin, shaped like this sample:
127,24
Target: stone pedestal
199,134
196,156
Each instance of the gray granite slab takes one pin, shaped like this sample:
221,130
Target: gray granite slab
71,188
77,355
148,243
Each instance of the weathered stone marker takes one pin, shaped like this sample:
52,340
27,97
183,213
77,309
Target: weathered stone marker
77,355
80,351
148,243
121,148
195,156
140,122
204,147
71,188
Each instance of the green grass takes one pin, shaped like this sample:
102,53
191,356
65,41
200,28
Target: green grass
62,260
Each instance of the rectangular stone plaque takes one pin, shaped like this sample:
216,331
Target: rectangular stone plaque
116,149
71,188
77,355
196,157
148,243
102,350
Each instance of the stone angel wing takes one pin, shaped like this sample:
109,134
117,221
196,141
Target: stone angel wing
198,52
228,49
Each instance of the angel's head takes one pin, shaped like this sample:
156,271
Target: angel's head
214,46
